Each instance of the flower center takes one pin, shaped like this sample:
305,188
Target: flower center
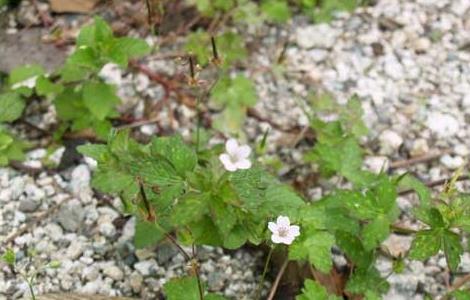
283,231
234,158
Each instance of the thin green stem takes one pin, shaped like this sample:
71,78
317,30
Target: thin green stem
265,270
195,265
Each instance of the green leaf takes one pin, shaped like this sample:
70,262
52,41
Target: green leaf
461,295
191,207
426,244
132,47
375,232
238,91
236,237
69,105
82,58
25,72
367,281
312,290
316,247
44,87
147,234
97,33
276,10
99,98
95,151
185,288
354,249
11,107
452,249
9,257
182,157
411,182
250,187
280,199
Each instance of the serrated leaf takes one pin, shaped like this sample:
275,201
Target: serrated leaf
410,182
354,249
191,207
185,288
132,47
426,244
238,91
69,105
81,58
45,87
236,237
94,34
182,157
316,248
276,10
250,187
99,98
11,107
312,290
367,281
95,151
375,233
452,249
9,257
25,72
147,234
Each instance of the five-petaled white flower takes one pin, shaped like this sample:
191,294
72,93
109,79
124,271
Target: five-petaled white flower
282,231
235,156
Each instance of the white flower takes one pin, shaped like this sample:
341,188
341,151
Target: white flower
236,156
282,231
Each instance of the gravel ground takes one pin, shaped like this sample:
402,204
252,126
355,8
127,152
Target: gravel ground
408,61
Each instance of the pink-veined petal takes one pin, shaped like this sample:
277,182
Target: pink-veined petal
244,151
287,240
243,164
272,226
276,239
231,146
283,221
227,162
294,230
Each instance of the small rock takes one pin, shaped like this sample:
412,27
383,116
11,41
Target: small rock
90,273
28,205
452,162
146,267
398,245
443,125
71,215
390,141
114,272
377,164
419,148
75,250
80,181
320,36
135,281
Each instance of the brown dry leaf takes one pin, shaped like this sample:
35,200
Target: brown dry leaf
77,6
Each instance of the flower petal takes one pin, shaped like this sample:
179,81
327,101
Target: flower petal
287,240
273,227
243,164
276,239
227,162
294,230
231,146
244,151
283,221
